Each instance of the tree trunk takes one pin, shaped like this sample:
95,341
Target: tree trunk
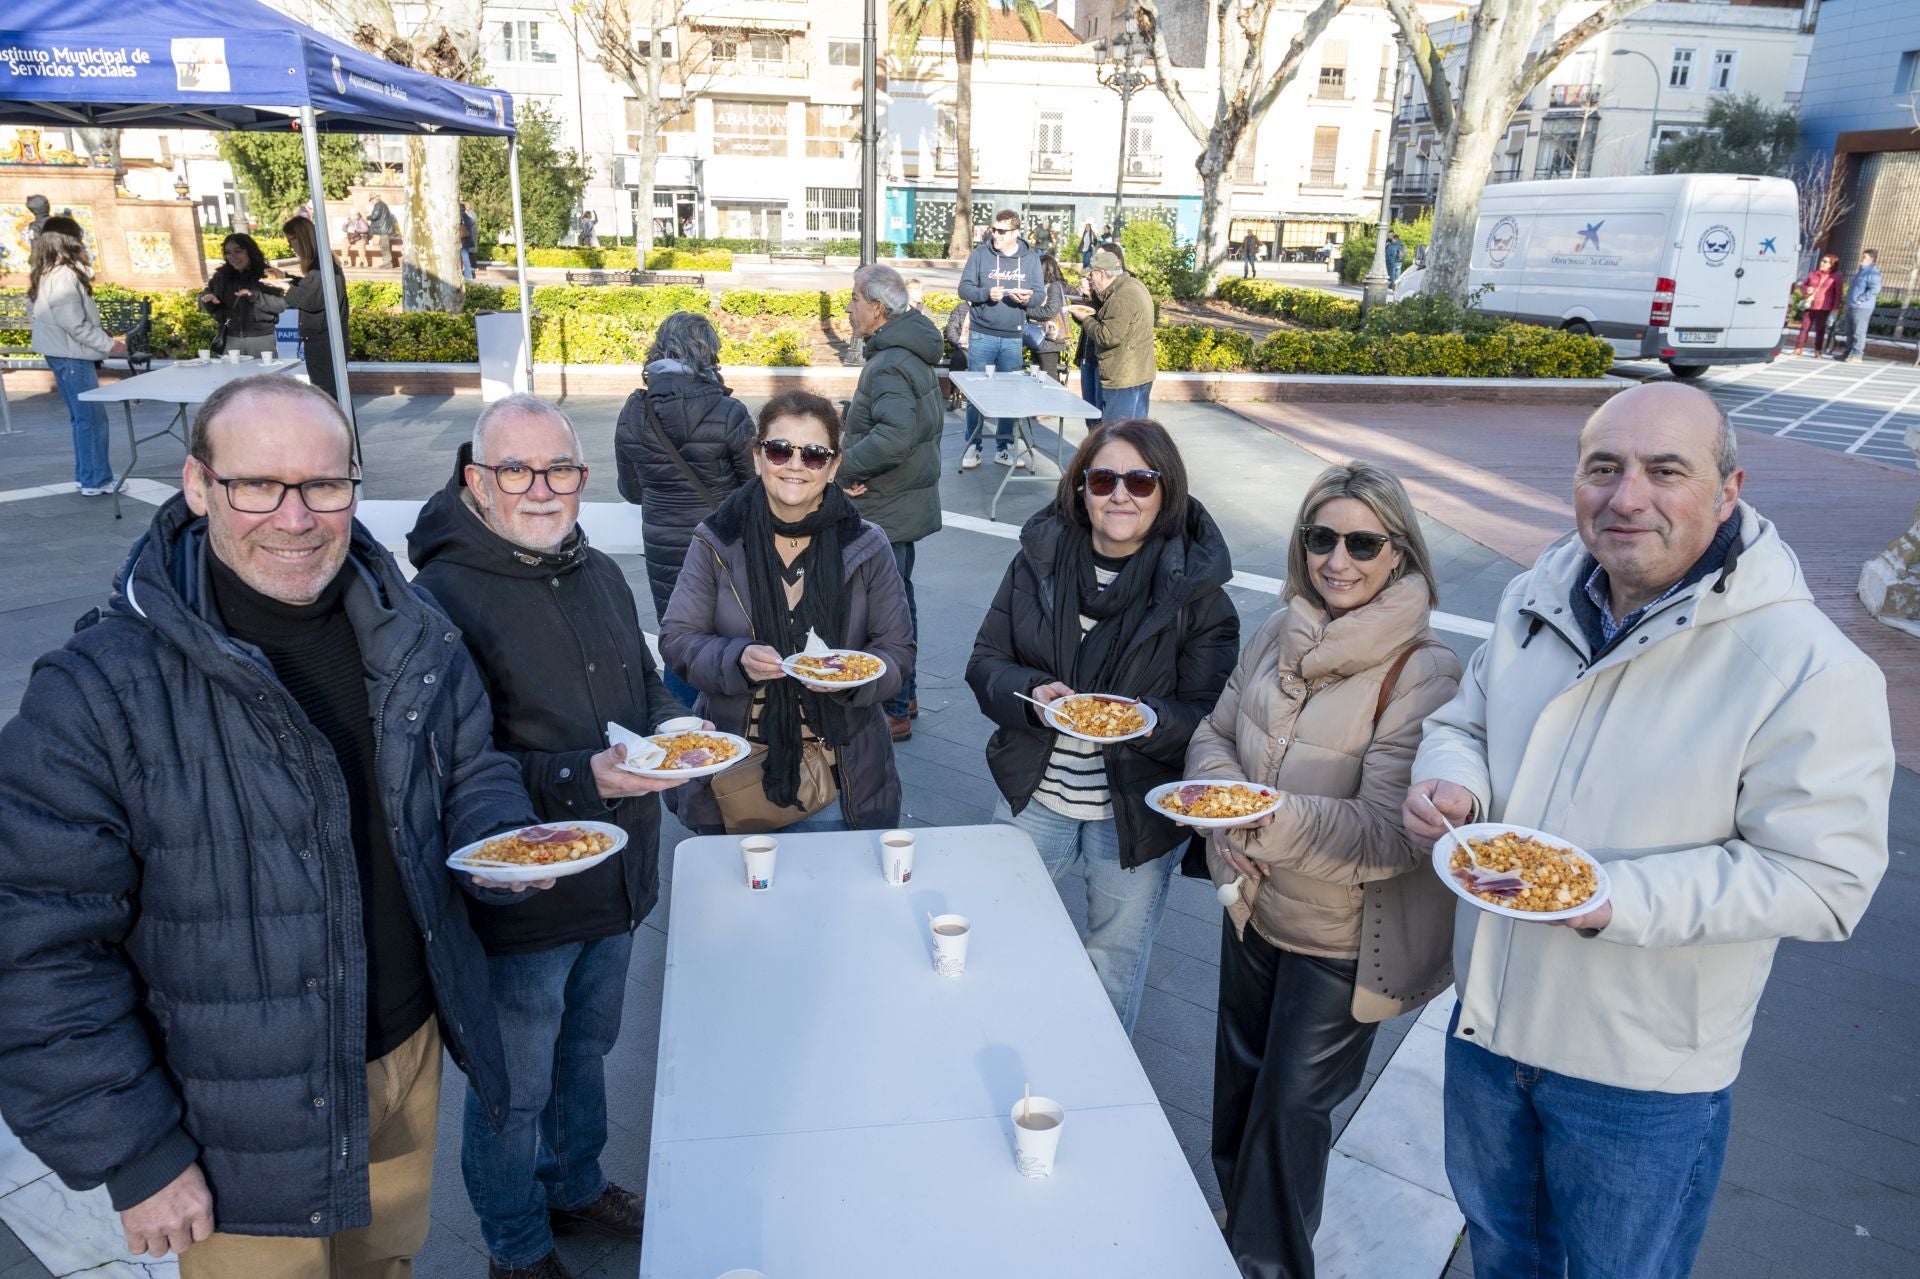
1456,212
643,196
650,140
1216,205
1490,92
430,278
960,242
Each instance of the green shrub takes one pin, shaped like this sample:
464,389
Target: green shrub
782,348
1514,350
584,337
490,297
1429,313
580,259
686,260
377,295
1153,257
646,304
1197,348
424,336
802,304
940,304
1315,308
1359,244
275,247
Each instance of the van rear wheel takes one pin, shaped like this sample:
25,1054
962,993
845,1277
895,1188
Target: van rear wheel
1686,372
1580,327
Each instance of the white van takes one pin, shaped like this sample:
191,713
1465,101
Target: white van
1690,269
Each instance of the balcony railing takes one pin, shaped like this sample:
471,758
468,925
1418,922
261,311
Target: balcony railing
1512,174
1416,186
1144,166
1050,164
766,68
1248,175
1561,96
947,160
1322,179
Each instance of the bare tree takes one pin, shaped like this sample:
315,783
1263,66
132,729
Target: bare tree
1246,92
444,42
664,58
1824,205
1500,69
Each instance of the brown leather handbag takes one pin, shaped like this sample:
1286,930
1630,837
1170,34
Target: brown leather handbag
741,791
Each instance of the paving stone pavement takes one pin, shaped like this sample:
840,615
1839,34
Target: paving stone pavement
1825,1142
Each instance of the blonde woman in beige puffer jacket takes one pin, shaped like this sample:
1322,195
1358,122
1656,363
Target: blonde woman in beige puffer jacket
1339,924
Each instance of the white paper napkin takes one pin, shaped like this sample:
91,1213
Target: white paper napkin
816,647
642,753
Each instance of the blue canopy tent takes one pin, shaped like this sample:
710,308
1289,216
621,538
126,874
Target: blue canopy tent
234,64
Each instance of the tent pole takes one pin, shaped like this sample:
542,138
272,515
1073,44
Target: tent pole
520,254
329,285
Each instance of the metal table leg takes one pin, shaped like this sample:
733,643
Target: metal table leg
135,440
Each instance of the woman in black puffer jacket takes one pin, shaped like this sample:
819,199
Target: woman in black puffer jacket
683,444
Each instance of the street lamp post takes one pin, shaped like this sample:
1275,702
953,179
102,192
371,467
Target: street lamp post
1653,128
1375,287
1119,69
869,135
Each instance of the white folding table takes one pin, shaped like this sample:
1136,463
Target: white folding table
1022,396
181,384
826,1107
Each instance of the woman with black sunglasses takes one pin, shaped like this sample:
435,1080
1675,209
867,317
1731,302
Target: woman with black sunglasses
1325,706
785,556
1118,587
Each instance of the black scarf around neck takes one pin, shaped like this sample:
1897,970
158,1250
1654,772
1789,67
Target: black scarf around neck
823,609
1092,661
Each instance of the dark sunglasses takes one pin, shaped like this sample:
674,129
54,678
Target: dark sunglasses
813,456
1320,540
1100,481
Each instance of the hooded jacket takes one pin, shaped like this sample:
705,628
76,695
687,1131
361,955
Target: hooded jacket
1177,663
714,433
988,269
1729,760
182,962
707,628
891,441
558,644
1298,716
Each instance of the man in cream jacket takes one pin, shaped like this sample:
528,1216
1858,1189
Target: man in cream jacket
1663,692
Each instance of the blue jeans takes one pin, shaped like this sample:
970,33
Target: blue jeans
1123,906
831,818
91,470
681,690
559,1015
902,702
1120,402
1090,382
1859,319
1559,1177
466,263
1004,354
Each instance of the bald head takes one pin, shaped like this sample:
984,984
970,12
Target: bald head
269,404
1657,477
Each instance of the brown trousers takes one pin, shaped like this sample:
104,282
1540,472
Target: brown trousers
403,1110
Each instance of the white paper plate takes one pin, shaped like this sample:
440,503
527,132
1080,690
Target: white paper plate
739,756
1209,823
786,664
527,874
1060,725
1443,853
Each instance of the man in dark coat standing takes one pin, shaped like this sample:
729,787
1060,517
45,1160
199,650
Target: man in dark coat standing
552,626
892,438
230,948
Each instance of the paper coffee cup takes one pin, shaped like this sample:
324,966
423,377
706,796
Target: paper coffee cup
896,856
681,724
950,934
266,357
759,852
1036,1135
233,357
206,355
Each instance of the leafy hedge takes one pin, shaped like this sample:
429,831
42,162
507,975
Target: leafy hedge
1315,308
805,304
1513,350
621,259
275,247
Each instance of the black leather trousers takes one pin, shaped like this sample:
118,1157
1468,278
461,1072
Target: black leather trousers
1286,1052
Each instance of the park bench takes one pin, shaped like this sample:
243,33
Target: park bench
693,278
600,277
798,255
132,317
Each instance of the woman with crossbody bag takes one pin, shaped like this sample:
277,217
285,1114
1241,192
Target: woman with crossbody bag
682,446
1338,923
785,556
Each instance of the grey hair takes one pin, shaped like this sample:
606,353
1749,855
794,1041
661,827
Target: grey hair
520,405
687,336
882,284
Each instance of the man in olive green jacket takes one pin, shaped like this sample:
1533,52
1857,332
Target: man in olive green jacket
1120,329
891,444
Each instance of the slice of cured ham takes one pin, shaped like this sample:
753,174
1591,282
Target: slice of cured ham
548,835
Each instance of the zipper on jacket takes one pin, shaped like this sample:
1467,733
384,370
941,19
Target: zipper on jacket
433,755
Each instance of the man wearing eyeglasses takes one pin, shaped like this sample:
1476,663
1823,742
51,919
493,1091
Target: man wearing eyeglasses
1119,332
552,625
229,945
1005,286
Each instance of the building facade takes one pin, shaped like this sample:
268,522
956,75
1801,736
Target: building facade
1861,107
1606,109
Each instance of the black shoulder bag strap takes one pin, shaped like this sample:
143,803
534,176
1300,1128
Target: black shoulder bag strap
673,451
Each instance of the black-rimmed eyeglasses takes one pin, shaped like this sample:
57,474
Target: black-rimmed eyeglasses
258,495
517,477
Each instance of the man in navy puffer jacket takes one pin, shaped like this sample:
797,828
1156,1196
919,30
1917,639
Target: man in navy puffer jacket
229,945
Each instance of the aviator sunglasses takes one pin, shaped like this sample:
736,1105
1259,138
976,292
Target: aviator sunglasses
1101,482
780,452
1320,540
